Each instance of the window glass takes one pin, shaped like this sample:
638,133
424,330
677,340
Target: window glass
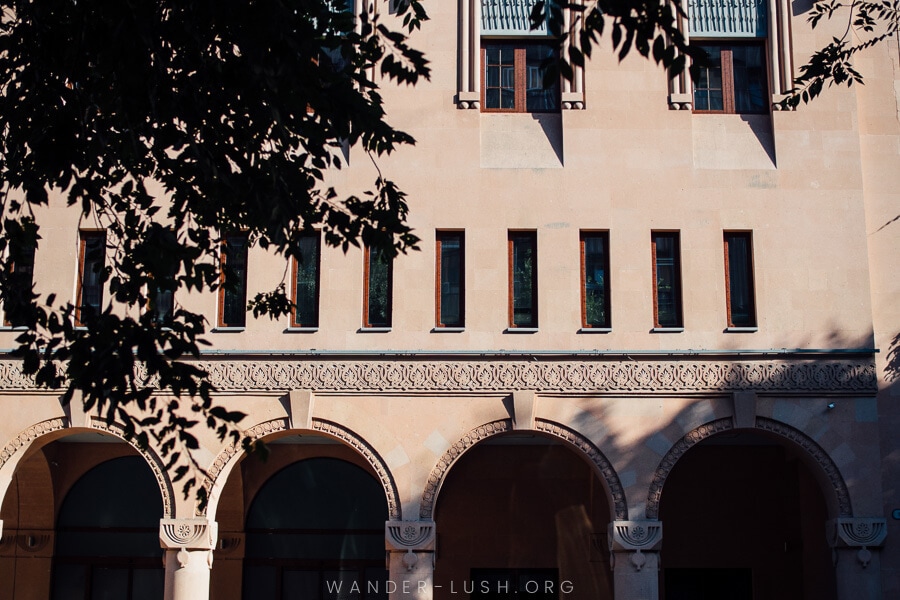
595,276
93,257
539,98
514,76
739,274
21,280
667,279
233,293
378,289
732,80
450,279
523,279
306,283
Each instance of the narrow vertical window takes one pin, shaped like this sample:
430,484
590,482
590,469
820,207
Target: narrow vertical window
21,282
523,279
306,283
666,279
595,280
162,304
739,280
91,260
233,290
377,291
450,279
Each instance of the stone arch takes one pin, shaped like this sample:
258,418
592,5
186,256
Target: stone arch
603,467
16,448
231,455
799,439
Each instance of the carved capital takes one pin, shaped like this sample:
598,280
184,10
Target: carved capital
231,545
403,536
188,534
862,533
635,535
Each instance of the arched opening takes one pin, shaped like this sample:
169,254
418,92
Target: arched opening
744,519
526,516
306,522
107,535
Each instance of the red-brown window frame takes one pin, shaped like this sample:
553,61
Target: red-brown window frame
520,64
727,63
534,280
83,236
294,266
13,270
439,238
750,282
367,257
606,284
677,267
223,258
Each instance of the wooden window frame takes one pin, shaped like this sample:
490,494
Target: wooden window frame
84,236
520,63
606,285
751,285
438,295
13,273
727,67
318,290
534,279
367,258
221,323
676,236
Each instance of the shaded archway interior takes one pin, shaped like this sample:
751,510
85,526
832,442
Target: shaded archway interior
744,518
310,514
82,511
517,511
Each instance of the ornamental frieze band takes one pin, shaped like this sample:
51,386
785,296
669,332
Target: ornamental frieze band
424,376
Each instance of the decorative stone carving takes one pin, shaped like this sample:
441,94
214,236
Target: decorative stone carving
572,105
33,542
575,375
635,537
699,434
188,534
862,533
24,439
409,535
333,429
231,545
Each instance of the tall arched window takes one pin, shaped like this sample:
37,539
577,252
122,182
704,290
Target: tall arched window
316,531
107,535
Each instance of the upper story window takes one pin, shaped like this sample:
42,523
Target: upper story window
666,280
21,281
739,294
450,277
378,283
734,80
514,77
595,311
91,263
306,283
523,285
233,288
162,304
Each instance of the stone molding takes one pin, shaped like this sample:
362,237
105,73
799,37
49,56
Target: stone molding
227,455
862,533
632,374
188,534
812,449
27,543
409,536
635,537
482,432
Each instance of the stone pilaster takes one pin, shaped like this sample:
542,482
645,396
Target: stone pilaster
855,544
410,547
189,547
634,552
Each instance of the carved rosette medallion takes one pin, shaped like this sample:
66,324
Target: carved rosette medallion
862,533
188,534
635,537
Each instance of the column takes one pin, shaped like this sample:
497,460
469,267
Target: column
855,543
634,551
189,547
410,546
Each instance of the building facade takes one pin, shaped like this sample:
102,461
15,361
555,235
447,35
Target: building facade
648,349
